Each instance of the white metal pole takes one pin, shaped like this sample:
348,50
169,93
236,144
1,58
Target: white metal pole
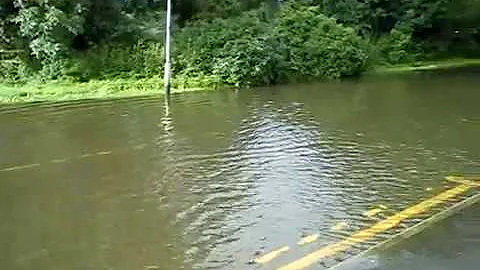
167,48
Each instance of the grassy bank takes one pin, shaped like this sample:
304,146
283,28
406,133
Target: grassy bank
426,66
116,88
95,89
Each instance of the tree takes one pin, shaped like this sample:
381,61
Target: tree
47,29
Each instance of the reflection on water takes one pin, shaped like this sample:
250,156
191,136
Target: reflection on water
208,180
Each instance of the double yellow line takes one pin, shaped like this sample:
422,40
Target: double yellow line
365,235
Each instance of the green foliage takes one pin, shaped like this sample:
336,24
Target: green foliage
248,50
143,59
181,81
395,48
249,62
4,38
14,70
210,9
14,67
459,31
378,17
46,27
231,42
440,28
219,8
237,50
318,47
197,44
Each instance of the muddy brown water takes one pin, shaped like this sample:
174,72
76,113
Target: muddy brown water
214,178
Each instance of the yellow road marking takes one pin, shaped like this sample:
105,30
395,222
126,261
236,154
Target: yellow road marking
308,239
372,212
340,226
367,234
463,180
272,255
17,168
103,153
59,160
384,207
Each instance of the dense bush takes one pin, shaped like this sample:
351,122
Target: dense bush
395,48
317,46
198,44
249,62
239,51
14,67
143,59
46,28
249,50
13,70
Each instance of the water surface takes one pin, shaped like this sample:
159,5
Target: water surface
214,178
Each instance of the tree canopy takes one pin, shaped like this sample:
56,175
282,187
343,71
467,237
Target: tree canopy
52,32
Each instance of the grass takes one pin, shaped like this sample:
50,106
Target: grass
427,65
94,89
116,88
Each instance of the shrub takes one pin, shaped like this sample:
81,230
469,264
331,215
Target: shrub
394,48
143,59
198,44
300,43
12,70
317,46
47,29
14,66
249,62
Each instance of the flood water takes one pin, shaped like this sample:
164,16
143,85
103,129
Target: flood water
216,178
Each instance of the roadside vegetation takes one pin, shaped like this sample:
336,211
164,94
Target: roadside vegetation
68,49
